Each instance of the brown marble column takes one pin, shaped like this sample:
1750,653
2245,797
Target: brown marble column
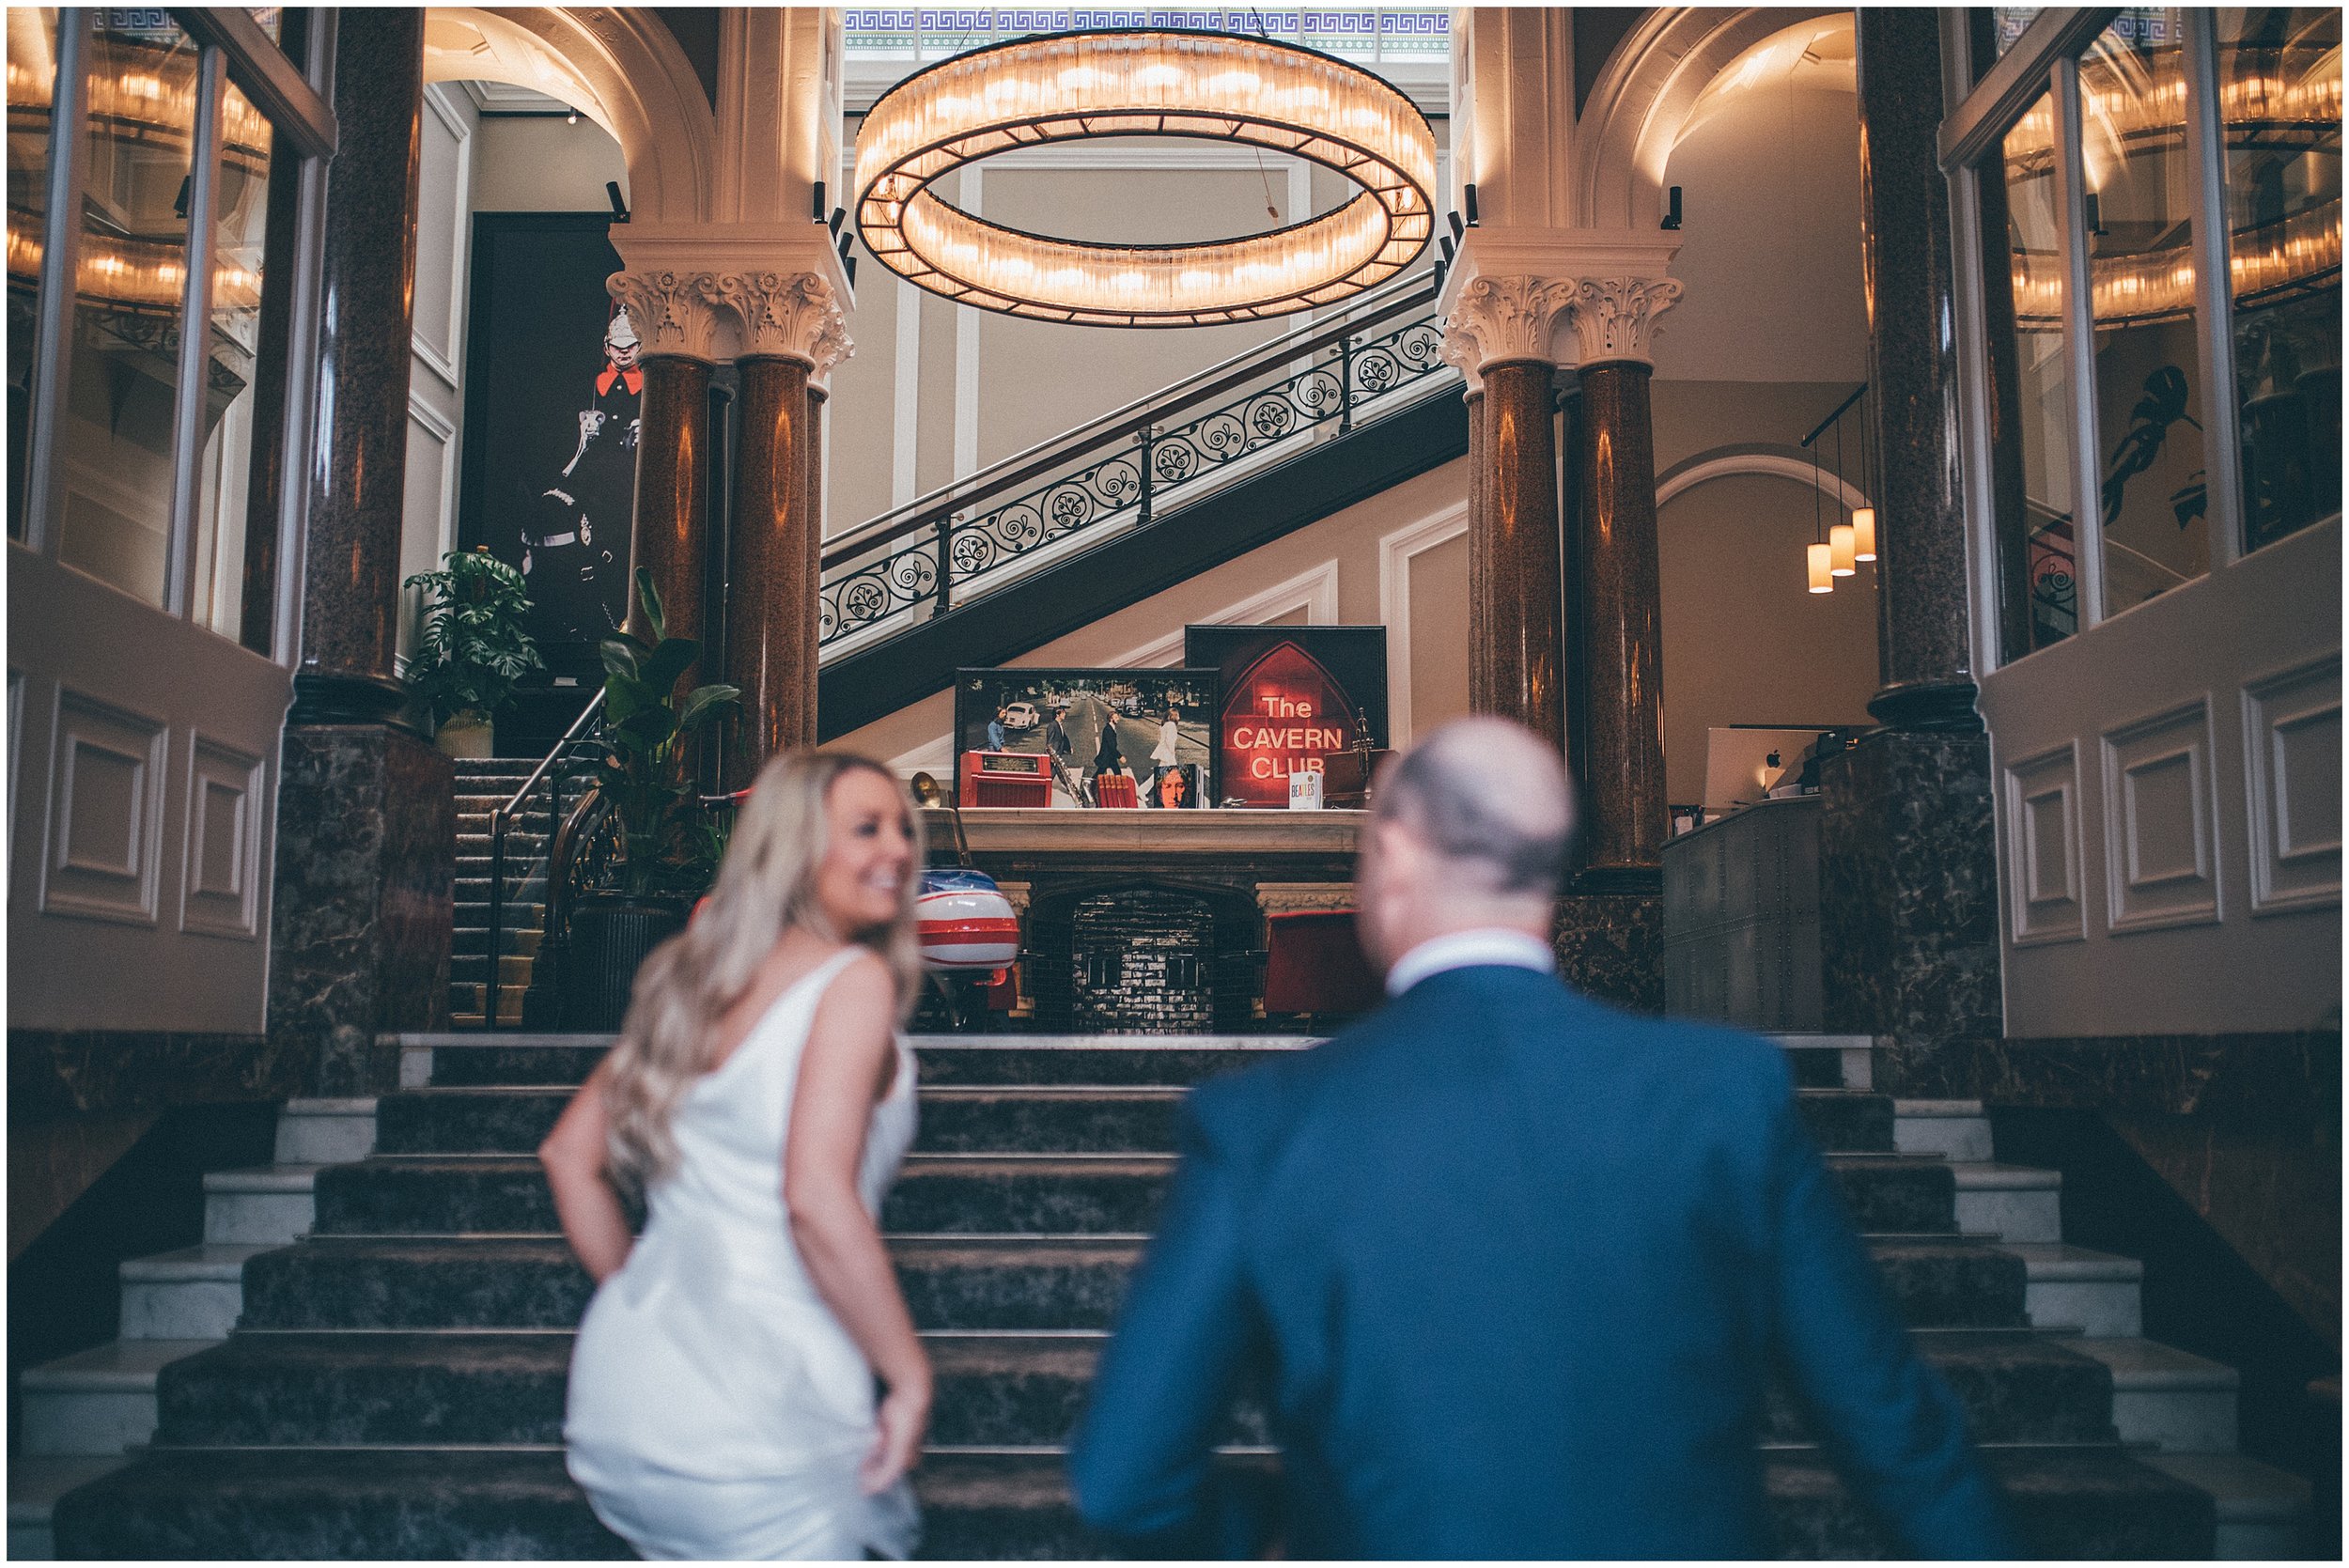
1518,595
360,920
1925,649
772,586
367,282
672,540
1908,908
1618,630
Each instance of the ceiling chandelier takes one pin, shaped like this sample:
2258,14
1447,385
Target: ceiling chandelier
1074,86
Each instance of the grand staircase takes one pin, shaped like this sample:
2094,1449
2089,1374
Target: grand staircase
394,1383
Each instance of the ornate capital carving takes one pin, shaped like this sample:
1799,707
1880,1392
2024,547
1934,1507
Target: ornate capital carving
788,315
672,313
1614,318
1498,319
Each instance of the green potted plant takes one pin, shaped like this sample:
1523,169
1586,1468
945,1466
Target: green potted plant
471,648
666,850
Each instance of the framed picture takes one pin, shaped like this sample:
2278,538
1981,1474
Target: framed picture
1085,738
1290,696
554,383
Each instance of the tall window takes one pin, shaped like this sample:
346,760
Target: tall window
2155,197
143,417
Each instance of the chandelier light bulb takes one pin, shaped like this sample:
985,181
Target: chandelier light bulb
1839,553
1863,533
1822,579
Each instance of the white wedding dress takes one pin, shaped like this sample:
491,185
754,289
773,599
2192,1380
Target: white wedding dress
717,1408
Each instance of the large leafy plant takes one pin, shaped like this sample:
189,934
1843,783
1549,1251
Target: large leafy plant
472,647
641,761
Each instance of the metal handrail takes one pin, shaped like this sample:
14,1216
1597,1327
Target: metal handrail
1375,308
500,817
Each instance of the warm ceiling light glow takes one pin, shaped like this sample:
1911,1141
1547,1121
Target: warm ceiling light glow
1840,555
1822,579
1863,533
1070,86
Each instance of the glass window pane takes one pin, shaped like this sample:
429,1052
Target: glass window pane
241,231
2031,392
2279,97
2153,494
32,87
114,443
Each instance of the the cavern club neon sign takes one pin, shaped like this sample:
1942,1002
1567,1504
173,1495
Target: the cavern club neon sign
1284,714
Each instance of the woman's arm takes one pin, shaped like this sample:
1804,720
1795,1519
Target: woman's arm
575,1158
848,1061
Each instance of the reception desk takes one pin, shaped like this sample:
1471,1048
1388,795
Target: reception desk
1741,918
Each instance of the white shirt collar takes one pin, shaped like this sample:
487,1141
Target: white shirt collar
1459,949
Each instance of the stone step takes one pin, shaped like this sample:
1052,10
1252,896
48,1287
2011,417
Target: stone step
35,1484
1954,1129
2264,1514
2014,1203
99,1401
2167,1397
267,1204
2081,1504
325,1132
471,969
195,1293
968,1119
346,1389
465,1001
982,1194
950,1282
473,940
2073,1287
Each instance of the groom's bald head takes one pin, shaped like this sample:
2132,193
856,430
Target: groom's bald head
1489,802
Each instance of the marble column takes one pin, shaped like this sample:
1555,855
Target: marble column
360,918
1501,331
792,330
367,290
671,538
1618,630
1909,895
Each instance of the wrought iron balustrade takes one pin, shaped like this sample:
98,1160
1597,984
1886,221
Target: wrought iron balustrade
1131,468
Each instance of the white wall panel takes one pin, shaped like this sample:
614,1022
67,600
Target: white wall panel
2292,744
2043,816
2161,848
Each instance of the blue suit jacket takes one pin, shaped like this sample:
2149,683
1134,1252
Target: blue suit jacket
1513,1267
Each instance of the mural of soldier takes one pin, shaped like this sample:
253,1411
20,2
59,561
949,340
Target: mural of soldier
575,535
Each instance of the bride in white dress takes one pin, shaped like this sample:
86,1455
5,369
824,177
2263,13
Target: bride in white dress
723,1400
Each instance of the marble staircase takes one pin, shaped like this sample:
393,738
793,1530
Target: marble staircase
394,1385
483,785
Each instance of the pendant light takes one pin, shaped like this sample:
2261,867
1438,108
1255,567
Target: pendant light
1863,518
1842,547
1819,555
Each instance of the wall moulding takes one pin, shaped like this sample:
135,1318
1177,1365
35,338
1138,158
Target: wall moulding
1514,294
737,291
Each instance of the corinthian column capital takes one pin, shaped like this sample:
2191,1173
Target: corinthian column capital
1496,320
672,312
1614,318
783,316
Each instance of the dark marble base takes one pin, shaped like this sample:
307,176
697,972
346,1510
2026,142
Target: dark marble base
2286,1081
1908,914
365,901
1611,945
54,1073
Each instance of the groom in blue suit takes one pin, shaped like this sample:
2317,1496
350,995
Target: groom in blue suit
1510,1266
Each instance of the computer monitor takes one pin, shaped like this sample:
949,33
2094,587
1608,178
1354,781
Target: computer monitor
1743,762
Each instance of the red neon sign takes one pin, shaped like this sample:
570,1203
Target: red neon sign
1284,714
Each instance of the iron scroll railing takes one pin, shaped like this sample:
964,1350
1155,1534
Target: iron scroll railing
1128,468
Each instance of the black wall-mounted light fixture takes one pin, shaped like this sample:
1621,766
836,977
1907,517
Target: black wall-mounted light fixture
815,206
1449,250
1458,228
846,240
619,202
1672,208
839,216
851,265
1468,203
2095,218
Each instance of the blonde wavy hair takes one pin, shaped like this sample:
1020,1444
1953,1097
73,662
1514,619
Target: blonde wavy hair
766,885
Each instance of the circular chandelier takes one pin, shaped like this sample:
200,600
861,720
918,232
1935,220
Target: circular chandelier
1075,86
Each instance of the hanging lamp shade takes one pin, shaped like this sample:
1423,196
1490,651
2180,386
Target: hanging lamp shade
1840,550
1863,533
1822,562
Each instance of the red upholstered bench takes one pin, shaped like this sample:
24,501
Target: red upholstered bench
1313,963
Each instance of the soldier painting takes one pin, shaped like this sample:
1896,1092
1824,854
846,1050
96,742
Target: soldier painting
575,534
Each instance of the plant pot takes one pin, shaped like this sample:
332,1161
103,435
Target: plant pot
469,734
611,936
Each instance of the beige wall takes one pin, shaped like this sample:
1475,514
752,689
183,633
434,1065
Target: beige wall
1346,546
540,164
